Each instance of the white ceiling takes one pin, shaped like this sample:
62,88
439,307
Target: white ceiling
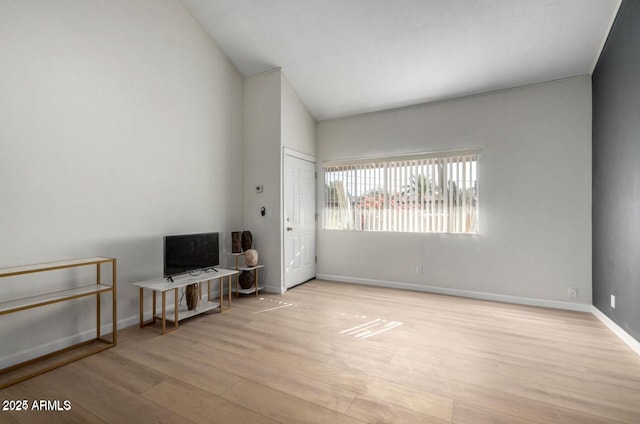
346,57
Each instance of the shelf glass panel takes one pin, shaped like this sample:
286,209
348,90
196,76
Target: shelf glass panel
50,266
184,312
48,298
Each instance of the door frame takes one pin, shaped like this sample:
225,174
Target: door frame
286,151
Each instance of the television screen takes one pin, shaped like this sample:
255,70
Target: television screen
190,252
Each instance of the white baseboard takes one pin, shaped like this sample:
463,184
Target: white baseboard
64,342
617,330
275,290
460,293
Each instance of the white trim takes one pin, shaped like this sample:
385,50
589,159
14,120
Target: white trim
274,289
580,307
290,152
55,345
617,330
405,157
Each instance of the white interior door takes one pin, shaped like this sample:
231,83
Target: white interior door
299,220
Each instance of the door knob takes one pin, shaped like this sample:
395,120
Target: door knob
289,228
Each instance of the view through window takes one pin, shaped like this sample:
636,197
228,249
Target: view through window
427,193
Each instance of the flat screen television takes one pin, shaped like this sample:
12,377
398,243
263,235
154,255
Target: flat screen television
184,253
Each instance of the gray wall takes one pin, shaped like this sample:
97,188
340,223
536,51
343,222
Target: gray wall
616,172
274,117
120,122
535,197
262,135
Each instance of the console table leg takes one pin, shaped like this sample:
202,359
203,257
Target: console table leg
237,278
98,316
152,321
99,304
257,286
114,302
229,289
142,306
221,293
164,310
175,297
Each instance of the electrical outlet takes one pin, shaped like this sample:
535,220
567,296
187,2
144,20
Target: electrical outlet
419,270
613,301
572,292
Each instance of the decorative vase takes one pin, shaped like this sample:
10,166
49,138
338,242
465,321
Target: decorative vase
246,279
251,257
247,239
236,242
192,296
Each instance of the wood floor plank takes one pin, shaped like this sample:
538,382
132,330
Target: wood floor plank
378,411
174,366
464,413
122,371
590,400
286,380
77,414
283,407
287,359
423,402
199,406
107,400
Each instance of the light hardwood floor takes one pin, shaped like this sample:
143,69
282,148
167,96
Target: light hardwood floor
327,352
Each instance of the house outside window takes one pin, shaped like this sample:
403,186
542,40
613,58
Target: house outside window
423,193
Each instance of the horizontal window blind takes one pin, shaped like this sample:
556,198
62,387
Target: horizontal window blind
437,194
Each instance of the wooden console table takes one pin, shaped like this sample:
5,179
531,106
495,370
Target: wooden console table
37,366
175,313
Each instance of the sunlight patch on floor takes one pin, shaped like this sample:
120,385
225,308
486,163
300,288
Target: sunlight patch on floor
278,304
371,328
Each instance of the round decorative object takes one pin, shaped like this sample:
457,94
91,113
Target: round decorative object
246,279
247,239
236,242
192,296
251,257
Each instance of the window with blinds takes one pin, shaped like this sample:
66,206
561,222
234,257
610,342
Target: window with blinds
429,193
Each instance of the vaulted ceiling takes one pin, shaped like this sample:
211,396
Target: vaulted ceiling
346,57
